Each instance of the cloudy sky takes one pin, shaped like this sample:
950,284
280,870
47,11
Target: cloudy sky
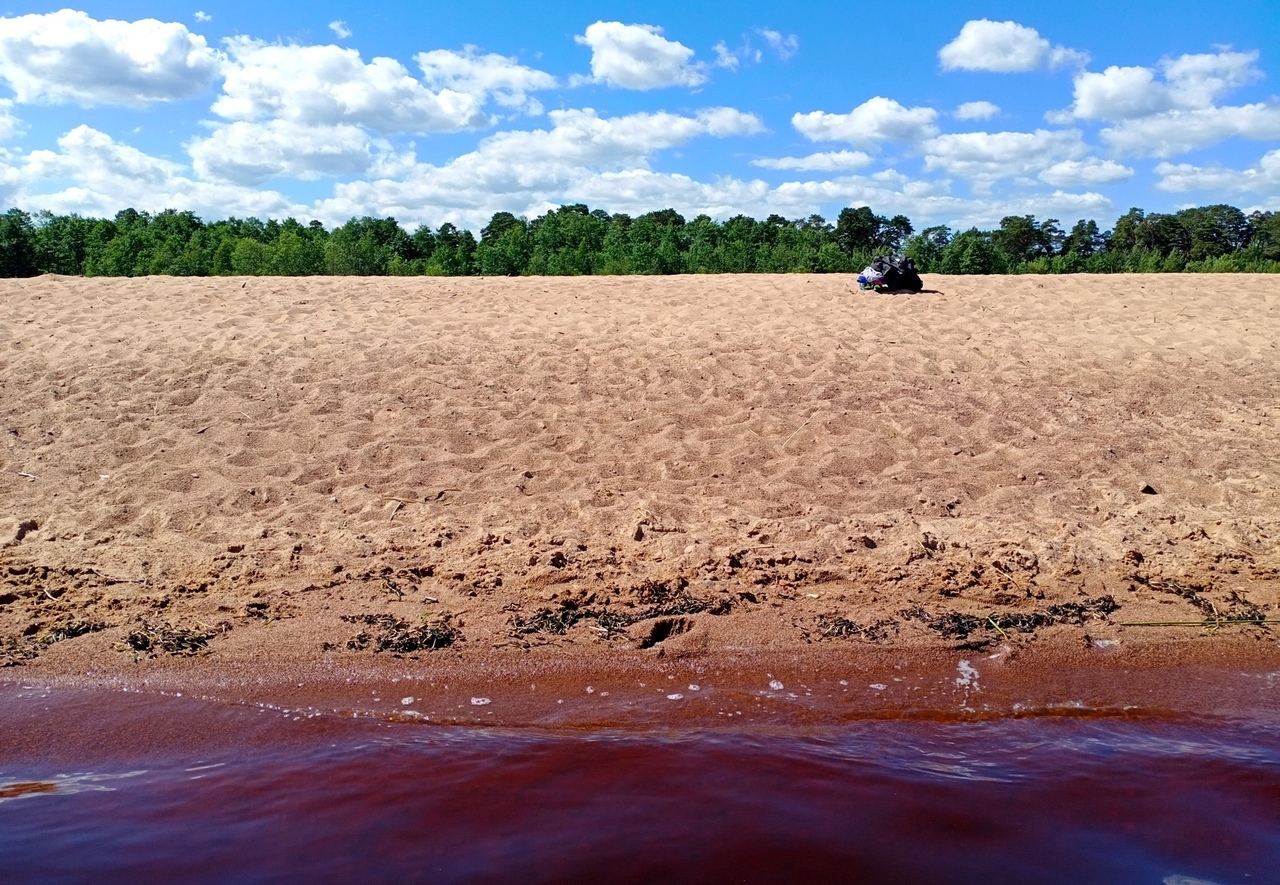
956,113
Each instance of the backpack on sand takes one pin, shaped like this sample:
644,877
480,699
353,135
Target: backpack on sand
891,273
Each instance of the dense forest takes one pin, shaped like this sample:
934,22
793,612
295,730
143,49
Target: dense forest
575,240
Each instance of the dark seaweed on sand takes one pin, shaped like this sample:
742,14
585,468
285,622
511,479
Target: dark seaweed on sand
660,599
548,620
671,598
17,650
398,636
170,640
956,625
1239,609
835,627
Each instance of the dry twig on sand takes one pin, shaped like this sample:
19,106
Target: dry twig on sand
1207,623
794,432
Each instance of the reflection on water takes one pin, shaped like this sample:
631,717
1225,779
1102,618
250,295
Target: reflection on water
62,784
211,792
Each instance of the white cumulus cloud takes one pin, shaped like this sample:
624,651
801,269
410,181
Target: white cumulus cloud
105,176
1189,82
9,124
1198,81
977,110
1119,93
828,161
638,57
874,121
582,157
928,202
531,171
435,195
202,16
636,191
583,137
87,154
340,29
1059,204
1172,109
726,57
247,153
986,157
1088,172
1262,179
724,122
785,45
484,76
328,85
1176,132
1004,47
66,56
605,162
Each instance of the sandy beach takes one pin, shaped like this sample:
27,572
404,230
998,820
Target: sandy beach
271,476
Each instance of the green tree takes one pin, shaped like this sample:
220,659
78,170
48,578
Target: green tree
504,248
1084,239
173,246
1214,230
741,239
857,230
127,253
17,245
424,243
566,241
1265,235
656,243
454,254
297,251
819,224
665,218
894,233
100,236
615,248
226,245
926,247
250,258
61,243
794,250
365,246
499,224
832,260
1163,234
671,251
702,236
970,252
1124,236
1021,238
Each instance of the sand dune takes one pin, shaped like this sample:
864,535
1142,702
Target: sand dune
684,464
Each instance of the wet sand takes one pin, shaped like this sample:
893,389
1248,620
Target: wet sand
260,482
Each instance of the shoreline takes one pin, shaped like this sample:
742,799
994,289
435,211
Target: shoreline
1224,678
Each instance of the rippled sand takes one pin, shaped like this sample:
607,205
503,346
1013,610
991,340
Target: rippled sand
607,470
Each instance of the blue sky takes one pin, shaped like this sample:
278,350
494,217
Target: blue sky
953,113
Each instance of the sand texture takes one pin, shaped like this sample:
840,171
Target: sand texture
274,471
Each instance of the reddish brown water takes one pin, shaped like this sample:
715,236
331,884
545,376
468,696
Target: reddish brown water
111,786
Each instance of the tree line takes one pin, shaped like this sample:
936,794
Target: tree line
574,239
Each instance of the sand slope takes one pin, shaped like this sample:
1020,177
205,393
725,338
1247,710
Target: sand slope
686,463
